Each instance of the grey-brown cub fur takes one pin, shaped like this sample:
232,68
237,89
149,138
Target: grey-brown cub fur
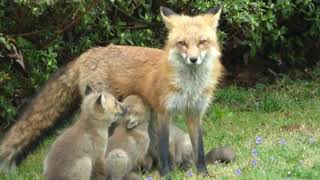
78,153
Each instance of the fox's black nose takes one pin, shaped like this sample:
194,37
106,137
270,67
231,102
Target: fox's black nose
193,60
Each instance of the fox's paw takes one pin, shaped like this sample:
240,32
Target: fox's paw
165,173
202,170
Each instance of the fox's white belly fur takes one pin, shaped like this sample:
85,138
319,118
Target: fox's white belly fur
192,84
187,103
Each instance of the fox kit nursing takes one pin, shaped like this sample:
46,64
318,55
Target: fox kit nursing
129,143
180,79
180,149
127,147
79,152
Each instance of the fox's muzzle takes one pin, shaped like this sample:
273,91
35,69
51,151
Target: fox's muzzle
124,109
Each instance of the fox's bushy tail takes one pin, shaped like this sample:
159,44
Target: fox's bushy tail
56,97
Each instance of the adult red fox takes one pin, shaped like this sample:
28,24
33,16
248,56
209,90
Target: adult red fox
180,79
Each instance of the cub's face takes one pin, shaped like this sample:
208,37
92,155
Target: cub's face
110,108
103,106
136,111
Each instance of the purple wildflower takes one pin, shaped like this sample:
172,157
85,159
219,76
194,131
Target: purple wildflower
189,173
254,152
312,140
258,140
254,163
149,178
282,141
237,172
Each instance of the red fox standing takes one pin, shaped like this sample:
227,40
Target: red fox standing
179,79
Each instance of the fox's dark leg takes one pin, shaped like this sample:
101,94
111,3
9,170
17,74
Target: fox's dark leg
195,132
163,121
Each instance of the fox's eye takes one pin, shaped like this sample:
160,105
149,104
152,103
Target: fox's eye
202,42
182,43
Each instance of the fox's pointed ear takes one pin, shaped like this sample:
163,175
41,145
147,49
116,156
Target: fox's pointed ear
214,14
215,10
166,14
88,90
166,11
100,102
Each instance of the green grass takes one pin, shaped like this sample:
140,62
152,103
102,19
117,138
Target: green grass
286,110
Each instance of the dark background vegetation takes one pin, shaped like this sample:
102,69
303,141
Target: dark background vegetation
261,39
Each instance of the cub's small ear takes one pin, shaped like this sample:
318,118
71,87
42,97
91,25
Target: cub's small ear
101,100
166,15
98,108
88,90
98,101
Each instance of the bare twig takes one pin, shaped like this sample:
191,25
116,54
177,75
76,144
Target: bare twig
28,33
136,27
272,72
17,56
128,15
76,18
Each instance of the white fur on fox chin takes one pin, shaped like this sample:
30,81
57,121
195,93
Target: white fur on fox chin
193,79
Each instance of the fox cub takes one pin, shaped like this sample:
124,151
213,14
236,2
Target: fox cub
180,149
180,146
128,145
78,153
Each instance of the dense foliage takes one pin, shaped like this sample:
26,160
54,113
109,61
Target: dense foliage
37,37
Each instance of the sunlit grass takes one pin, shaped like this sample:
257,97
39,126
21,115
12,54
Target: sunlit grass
284,115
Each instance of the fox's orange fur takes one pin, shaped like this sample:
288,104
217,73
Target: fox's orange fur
169,80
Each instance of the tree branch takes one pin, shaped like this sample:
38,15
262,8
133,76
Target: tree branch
128,15
65,27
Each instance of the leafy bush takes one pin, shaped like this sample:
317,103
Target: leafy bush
37,37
